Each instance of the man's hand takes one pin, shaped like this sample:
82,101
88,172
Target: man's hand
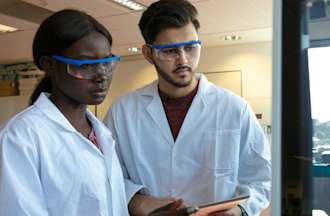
236,211
175,212
143,205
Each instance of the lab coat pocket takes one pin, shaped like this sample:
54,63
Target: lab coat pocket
221,151
61,181
87,203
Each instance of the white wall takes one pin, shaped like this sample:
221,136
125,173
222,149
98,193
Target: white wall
254,60
130,75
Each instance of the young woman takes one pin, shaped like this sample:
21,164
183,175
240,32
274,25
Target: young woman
56,158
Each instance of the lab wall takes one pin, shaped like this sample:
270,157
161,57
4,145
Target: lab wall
253,60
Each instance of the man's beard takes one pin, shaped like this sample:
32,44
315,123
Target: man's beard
169,79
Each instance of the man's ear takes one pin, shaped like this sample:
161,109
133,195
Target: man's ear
48,64
147,52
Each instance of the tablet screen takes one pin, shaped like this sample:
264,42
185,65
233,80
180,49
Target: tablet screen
208,208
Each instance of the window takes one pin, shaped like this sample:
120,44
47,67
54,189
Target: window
304,68
319,76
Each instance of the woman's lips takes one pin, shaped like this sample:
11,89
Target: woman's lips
100,92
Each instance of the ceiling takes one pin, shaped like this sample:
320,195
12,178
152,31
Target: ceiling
251,19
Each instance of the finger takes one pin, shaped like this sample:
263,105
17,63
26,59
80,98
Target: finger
221,213
170,206
178,204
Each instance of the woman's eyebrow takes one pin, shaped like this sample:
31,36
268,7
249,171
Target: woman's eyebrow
89,55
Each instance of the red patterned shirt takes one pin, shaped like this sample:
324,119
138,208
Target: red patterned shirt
176,109
92,138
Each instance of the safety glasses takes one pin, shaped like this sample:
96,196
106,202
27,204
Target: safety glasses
88,69
170,52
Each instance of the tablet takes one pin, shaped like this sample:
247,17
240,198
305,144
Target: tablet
208,208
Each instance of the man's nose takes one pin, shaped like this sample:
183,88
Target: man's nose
182,56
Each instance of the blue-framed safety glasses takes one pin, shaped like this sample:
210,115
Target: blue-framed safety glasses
169,52
88,68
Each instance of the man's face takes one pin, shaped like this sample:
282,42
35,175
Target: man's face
179,69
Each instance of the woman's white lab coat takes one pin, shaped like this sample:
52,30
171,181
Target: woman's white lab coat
220,148
48,168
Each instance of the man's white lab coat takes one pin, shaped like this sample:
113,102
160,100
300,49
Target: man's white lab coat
220,148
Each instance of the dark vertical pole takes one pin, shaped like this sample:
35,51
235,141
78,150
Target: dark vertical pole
296,113
96,114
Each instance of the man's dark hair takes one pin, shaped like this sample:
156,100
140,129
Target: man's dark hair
165,14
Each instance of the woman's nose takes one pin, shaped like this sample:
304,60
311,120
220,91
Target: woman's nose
102,72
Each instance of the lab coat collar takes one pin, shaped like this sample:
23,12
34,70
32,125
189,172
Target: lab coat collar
48,108
160,118
203,87
103,135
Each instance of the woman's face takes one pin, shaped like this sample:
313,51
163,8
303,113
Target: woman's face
84,91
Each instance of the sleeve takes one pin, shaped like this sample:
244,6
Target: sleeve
131,188
21,191
254,173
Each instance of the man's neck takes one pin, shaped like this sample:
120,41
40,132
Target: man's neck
176,92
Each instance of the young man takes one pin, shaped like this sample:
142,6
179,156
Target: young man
181,136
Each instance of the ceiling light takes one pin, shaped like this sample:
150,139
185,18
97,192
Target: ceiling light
232,37
6,29
132,5
133,49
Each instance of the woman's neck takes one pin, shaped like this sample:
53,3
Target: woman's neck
74,112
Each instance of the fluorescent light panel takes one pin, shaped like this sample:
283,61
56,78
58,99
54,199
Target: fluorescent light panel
132,5
6,29
133,49
232,37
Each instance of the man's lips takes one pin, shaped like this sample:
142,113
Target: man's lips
182,70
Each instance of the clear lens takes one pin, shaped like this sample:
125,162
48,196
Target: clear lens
90,71
168,54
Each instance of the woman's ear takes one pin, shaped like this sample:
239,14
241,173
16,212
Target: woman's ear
48,64
147,52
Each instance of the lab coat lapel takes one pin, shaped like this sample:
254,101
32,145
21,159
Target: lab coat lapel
156,111
196,109
107,145
52,112
105,140
116,181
